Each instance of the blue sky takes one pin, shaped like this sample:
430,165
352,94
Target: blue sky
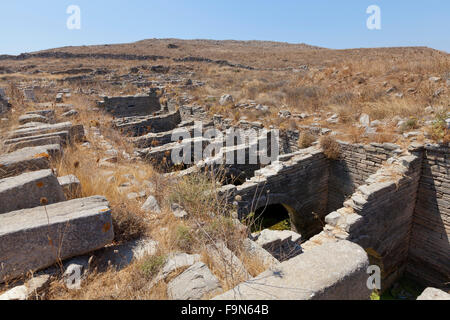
29,25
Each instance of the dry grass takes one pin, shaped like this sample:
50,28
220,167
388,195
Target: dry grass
330,147
306,140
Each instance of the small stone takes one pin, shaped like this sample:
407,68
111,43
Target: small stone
151,205
226,99
178,211
435,79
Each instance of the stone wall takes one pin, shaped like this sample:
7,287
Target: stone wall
355,164
300,184
129,106
137,126
379,216
429,250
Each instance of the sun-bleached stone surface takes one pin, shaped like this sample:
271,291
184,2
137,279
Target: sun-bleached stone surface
29,189
33,239
331,271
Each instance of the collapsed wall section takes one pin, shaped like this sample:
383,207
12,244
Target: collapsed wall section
138,126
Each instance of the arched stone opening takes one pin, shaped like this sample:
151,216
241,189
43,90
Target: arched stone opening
282,216
273,216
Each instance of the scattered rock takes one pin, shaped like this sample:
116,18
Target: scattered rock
195,283
151,205
178,211
226,99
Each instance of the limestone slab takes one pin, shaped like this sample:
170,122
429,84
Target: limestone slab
33,239
330,271
26,190
26,159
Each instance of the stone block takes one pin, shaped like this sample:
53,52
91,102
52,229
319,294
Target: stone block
26,190
26,159
33,239
327,272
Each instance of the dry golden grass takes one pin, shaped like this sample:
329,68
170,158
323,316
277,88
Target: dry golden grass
306,140
330,146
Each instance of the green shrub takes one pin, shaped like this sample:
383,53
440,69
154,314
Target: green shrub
152,265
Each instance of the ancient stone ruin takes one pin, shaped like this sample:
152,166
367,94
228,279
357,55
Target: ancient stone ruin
375,204
378,204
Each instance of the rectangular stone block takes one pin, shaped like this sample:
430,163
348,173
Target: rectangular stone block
34,143
27,190
33,239
26,132
49,137
26,159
